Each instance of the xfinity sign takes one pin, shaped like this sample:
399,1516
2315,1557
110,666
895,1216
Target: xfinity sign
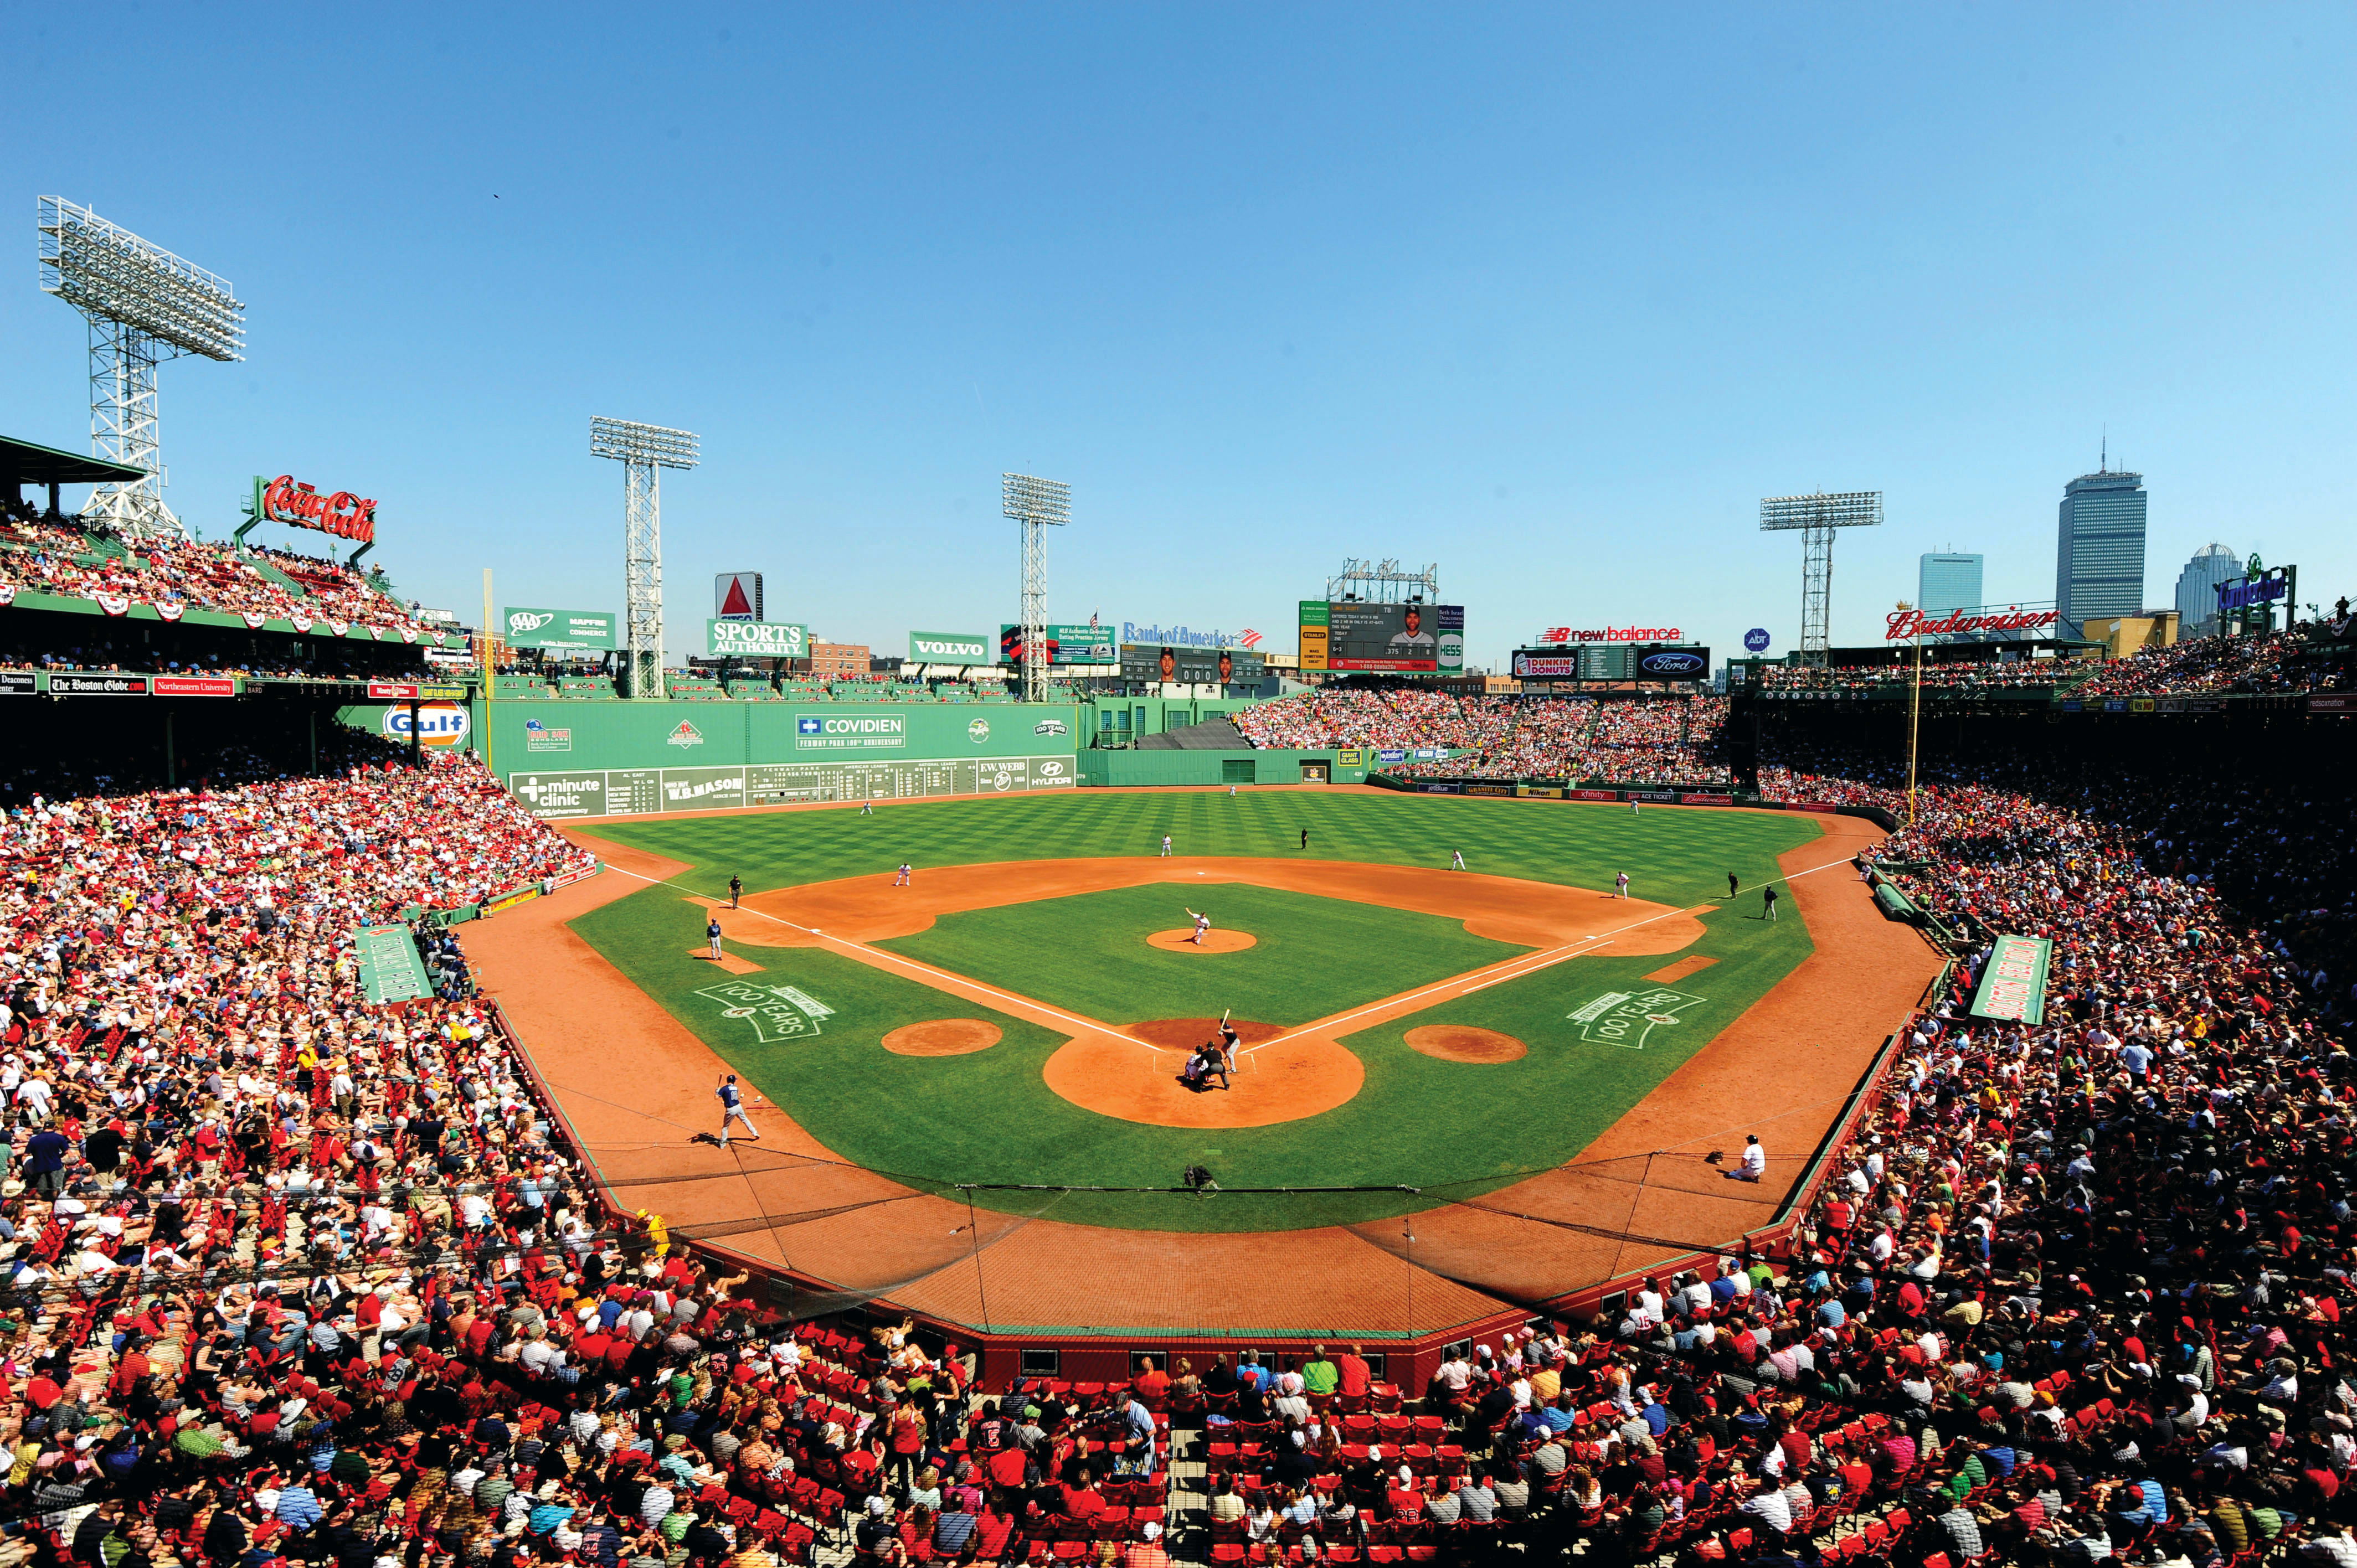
853,732
950,648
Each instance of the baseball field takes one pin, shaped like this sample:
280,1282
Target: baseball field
1011,1024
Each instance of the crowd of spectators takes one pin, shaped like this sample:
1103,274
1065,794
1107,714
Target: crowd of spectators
1659,740
2310,658
1949,678
50,556
1403,719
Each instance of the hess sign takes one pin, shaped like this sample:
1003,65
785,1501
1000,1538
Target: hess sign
343,514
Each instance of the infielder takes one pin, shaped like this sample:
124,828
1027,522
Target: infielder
1455,860
1620,885
903,879
732,1110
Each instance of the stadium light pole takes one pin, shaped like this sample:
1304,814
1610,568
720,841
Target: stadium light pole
1035,505
1816,516
644,451
1914,714
144,306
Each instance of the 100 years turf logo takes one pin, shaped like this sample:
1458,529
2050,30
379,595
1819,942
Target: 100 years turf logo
778,1012
1624,1018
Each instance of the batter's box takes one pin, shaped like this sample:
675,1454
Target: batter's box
778,1012
1624,1018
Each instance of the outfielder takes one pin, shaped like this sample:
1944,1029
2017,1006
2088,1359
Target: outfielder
1165,846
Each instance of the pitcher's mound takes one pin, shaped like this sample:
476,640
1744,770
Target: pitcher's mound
1214,940
942,1037
1459,1043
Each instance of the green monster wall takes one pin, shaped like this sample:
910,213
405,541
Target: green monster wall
620,759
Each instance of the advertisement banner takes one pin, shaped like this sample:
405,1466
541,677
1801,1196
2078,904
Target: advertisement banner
439,724
1067,643
861,732
949,648
756,639
1674,664
1666,797
1506,789
195,686
1189,666
2014,988
98,686
1316,643
1706,800
737,595
1539,791
2332,702
1391,754
1591,794
18,684
1435,787
589,631
1349,756
1409,639
1545,666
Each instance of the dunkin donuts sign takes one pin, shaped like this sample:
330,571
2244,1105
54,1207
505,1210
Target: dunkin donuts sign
343,514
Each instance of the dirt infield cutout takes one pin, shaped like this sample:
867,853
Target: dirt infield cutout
943,1037
1214,940
1669,974
1463,1042
730,962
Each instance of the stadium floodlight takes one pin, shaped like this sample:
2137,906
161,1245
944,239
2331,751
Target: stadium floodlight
1816,516
144,306
644,451
1383,582
1036,504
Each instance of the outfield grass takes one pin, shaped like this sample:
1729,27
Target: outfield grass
988,1117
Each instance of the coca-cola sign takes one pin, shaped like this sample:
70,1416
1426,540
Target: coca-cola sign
343,514
1904,625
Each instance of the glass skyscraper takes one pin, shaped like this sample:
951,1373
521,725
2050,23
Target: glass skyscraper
1947,581
2197,590
2099,551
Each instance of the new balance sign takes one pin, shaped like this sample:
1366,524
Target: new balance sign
950,648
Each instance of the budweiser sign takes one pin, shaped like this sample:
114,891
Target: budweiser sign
1905,625
343,514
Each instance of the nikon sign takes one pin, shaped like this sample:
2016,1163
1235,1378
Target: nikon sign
756,639
950,648
588,631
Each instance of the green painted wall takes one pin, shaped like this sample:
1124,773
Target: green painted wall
1136,770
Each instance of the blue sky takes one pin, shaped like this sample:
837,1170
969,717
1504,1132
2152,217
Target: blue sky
1548,296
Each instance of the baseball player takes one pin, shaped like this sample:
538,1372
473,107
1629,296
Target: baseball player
1165,846
1768,902
712,935
1620,885
867,808
1636,807
903,880
1731,885
1455,860
736,892
1203,924
732,1110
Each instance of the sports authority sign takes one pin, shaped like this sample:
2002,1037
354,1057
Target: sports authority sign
1624,1018
2014,988
588,631
756,639
343,514
950,648
862,732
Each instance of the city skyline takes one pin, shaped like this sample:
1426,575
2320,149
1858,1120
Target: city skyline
2099,547
1552,298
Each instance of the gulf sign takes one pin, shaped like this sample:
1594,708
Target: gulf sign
438,724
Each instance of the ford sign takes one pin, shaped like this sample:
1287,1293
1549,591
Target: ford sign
1674,664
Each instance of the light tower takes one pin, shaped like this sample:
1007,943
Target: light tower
144,304
644,451
1034,504
1817,516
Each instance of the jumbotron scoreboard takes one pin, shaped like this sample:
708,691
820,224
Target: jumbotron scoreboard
1409,639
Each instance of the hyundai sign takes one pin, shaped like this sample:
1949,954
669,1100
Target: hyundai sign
1674,664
